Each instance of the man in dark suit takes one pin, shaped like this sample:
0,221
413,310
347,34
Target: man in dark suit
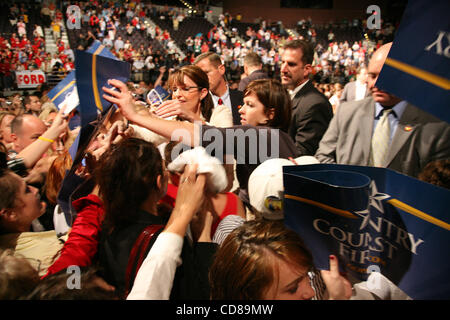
414,138
212,65
311,111
252,70
356,90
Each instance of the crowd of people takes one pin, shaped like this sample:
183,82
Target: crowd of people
24,48
336,60
156,212
129,34
116,25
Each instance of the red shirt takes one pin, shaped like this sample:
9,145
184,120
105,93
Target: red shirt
205,48
93,20
81,246
63,57
69,66
24,43
4,68
14,42
38,61
230,208
170,196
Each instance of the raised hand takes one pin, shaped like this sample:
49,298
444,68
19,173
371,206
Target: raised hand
339,288
121,97
189,199
172,108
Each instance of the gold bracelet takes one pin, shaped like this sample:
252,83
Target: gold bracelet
46,139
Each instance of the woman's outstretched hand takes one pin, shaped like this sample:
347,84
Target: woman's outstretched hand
339,288
121,97
173,108
189,199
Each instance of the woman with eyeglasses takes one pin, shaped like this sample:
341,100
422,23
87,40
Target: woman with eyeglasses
191,100
265,119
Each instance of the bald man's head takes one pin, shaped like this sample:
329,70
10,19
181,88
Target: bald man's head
25,129
375,65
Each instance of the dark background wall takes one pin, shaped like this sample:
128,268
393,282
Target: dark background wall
271,10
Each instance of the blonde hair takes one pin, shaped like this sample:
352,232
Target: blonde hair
46,110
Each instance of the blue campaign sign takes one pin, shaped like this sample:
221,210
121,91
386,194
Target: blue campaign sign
92,73
99,49
157,95
417,68
93,68
373,219
65,92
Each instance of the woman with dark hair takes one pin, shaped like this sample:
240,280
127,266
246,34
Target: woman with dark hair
20,205
266,103
261,137
126,181
191,100
262,260
132,178
437,172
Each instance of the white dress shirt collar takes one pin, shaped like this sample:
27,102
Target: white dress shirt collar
292,93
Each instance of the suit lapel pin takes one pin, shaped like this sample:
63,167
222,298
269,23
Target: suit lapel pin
407,128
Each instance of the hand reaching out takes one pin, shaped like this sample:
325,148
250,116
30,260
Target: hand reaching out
59,125
121,97
191,189
189,200
173,108
339,288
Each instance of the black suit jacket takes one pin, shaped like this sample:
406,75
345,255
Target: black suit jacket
237,99
255,75
311,115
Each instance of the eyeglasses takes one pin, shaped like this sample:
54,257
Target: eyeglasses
182,89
